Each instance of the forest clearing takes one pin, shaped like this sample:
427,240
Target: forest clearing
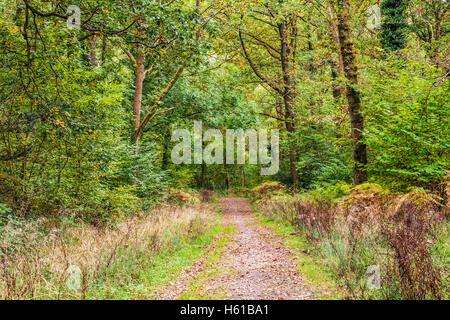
224,150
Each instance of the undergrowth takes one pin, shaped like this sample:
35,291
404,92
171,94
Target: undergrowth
357,230
86,262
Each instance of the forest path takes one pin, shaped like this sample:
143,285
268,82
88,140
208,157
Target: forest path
253,265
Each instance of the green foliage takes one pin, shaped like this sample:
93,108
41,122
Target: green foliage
66,142
329,192
408,130
394,24
321,159
66,124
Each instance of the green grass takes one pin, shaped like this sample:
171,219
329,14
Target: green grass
309,263
211,271
141,275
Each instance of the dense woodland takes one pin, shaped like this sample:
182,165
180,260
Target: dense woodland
88,107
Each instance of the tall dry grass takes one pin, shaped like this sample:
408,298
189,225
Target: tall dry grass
68,262
406,235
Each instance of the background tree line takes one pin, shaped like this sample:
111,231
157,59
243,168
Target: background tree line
87,114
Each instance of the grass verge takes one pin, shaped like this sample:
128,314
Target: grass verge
150,276
131,261
212,270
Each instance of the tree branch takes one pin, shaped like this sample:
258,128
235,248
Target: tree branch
159,102
255,70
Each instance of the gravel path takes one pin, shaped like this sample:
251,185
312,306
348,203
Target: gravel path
258,265
264,268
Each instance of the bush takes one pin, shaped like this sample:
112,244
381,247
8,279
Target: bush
182,197
207,195
410,263
267,190
407,127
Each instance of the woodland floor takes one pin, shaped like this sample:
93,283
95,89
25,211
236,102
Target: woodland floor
251,264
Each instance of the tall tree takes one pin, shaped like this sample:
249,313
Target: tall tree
393,25
279,46
353,95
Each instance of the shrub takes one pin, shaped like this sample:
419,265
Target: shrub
316,219
267,190
207,195
410,263
182,197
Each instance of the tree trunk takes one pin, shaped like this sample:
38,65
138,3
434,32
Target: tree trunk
202,175
228,182
140,75
165,152
286,87
288,54
141,126
93,59
335,35
337,70
103,50
353,96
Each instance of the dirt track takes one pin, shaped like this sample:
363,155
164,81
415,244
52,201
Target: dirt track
258,265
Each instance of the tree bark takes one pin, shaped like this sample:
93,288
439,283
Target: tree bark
353,95
203,175
335,35
139,128
228,182
287,57
137,105
104,50
93,59
287,34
